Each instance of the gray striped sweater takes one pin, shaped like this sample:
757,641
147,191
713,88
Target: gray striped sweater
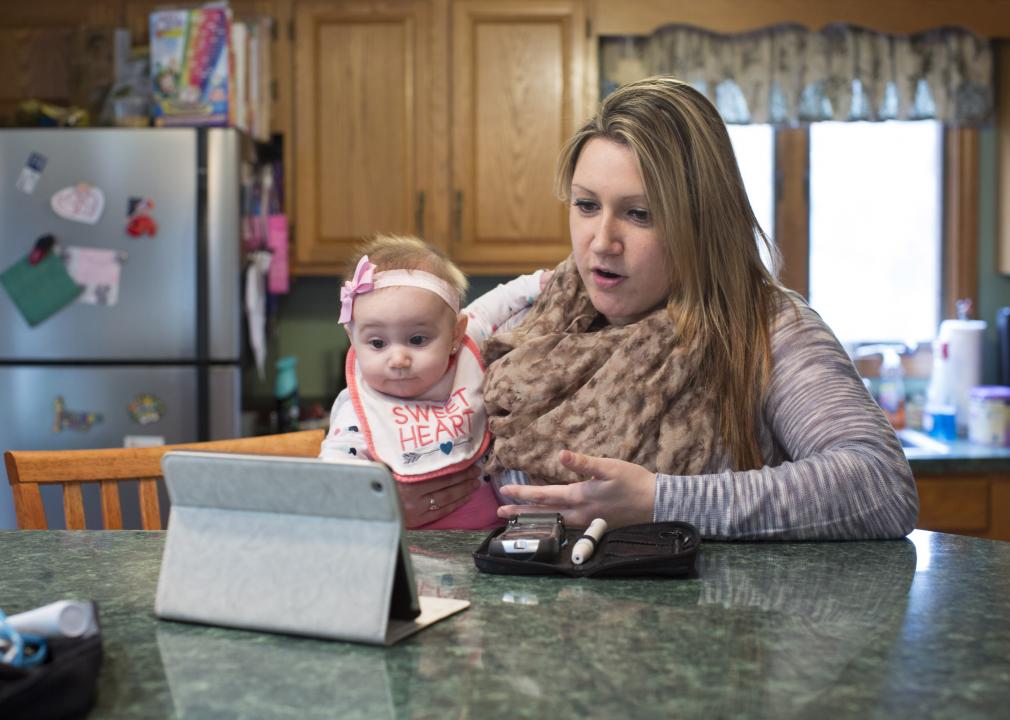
834,467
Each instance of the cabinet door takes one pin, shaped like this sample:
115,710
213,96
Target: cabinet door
954,504
35,48
363,105
517,96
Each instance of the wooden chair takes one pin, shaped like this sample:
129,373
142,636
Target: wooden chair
27,469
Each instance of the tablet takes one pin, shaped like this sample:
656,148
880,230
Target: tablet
293,545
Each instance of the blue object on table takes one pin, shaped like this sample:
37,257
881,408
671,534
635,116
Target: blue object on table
20,649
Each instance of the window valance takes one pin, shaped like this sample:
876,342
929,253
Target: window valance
788,74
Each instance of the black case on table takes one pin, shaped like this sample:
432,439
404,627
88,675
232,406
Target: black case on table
666,549
63,686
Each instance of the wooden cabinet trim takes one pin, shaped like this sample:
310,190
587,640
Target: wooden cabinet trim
1003,156
792,206
641,17
961,191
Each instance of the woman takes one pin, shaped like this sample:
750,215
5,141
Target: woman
664,373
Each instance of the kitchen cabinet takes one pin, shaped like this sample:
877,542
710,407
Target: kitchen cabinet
35,43
377,148
36,40
35,48
368,120
968,504
517,96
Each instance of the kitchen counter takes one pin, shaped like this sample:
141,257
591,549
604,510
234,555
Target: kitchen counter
960,457
908,628
963,487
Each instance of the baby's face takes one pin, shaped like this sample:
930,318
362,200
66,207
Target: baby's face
403,337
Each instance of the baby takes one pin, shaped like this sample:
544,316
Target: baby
414,371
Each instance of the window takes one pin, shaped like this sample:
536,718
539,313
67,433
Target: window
876,199
754,146
864,239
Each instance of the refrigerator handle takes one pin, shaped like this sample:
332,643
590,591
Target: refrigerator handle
223,253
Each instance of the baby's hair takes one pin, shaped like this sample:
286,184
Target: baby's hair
404,252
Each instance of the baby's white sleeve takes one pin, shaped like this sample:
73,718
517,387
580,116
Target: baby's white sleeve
494,308
344,439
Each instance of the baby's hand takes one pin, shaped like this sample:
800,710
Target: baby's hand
545,279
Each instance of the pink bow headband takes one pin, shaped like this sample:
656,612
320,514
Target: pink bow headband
366,279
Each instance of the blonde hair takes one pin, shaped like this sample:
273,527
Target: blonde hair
722,296
404,252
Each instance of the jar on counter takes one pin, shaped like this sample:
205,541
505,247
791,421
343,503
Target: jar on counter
989,415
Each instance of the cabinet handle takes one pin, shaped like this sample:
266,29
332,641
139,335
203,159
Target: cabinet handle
459,216
419,215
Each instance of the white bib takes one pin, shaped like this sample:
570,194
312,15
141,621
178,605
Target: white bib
422,439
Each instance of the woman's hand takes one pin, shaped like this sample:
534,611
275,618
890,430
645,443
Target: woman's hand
620,492
429,500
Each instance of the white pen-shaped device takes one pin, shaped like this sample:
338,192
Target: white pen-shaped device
586,544
64,618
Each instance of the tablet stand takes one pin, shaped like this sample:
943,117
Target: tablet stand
290,545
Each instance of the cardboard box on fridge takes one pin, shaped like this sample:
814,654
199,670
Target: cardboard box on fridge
191,66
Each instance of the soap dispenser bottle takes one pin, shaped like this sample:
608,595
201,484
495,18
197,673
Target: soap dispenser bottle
891,394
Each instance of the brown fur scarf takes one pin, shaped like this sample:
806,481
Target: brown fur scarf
565,378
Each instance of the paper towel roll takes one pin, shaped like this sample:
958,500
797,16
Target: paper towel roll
964,366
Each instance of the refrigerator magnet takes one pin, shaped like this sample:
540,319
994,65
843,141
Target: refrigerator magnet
31,173
43,246
139,218
142,441
97,271
39,290
81,203
145,409
72,420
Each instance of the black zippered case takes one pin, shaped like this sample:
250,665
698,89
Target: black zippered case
664,549
63,686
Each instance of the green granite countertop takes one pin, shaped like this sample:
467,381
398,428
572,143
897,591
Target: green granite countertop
959,457
911,628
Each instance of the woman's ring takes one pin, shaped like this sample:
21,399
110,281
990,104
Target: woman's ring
432,505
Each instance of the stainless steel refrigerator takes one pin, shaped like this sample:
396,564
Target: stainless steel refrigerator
163,363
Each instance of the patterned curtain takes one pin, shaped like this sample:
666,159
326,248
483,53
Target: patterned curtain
790,75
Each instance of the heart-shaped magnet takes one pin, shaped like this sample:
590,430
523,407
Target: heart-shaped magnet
80,203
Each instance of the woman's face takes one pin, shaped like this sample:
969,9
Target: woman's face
617,248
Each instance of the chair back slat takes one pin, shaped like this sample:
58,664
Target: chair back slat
112,516
150,512
28,508
27,469
73,506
